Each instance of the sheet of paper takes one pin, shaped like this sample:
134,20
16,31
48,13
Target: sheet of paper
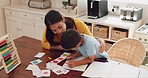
124,71
111,69
57,69
78,68
45,73
39,55
36,71
30,67
143,73
36,61
99,69
61,58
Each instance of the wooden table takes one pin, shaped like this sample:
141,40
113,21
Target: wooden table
27,49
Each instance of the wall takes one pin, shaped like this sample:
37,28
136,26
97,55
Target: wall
2,19
137,3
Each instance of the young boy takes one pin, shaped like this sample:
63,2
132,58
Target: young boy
85,45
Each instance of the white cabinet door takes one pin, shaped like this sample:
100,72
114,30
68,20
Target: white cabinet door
13,27
39,25
20,23
27,24
27,28
39,30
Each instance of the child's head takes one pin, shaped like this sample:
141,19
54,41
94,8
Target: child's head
70,39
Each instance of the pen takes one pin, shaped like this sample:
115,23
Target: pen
49,58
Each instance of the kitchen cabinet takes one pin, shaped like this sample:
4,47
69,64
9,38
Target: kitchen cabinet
39,26
28,29
12,23
26,24
22,20
20,23
142,35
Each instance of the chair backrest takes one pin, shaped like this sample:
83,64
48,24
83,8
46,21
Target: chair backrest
128,50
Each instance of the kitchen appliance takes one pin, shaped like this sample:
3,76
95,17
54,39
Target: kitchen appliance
142,35
97,8
131,13
40,4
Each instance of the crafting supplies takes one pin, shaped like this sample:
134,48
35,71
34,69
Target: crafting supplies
8,53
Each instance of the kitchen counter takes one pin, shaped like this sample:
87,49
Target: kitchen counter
25,8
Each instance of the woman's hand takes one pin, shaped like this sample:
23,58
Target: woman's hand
102,45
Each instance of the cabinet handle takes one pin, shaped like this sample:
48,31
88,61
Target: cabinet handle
145,40
10,12
140,39
99,29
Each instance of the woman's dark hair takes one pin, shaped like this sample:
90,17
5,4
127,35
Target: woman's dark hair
51,18
70,38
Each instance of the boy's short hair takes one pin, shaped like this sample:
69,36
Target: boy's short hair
70,38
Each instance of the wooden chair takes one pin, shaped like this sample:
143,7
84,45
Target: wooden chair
128,50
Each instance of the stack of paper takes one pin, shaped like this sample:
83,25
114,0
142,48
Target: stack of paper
111,70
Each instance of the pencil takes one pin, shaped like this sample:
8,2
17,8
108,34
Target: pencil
49,58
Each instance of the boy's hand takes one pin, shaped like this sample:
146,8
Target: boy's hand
72,64
69,57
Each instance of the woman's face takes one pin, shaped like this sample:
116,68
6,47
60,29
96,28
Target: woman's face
58,28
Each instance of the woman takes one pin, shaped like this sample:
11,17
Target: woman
56,24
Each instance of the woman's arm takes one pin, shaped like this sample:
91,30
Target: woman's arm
45,43
102,45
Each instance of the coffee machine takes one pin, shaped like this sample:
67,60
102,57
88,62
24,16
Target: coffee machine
97,8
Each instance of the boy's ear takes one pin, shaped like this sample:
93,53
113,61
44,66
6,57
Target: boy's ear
79,43
63,19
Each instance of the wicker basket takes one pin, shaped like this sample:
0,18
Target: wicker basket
117,33
101,31
89,25
128,50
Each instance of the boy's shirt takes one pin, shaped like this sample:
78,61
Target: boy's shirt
90,47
